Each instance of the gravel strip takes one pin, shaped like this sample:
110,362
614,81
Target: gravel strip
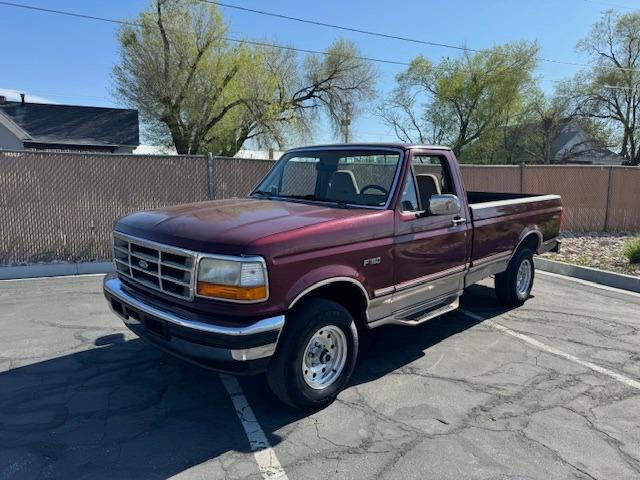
597,250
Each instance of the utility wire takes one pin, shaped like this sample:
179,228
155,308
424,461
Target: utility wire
317,52
389,36
340,27
235,40
230,39
69,14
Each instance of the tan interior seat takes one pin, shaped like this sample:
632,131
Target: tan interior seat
343,185
427,185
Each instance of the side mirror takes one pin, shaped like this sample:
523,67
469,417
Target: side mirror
444,205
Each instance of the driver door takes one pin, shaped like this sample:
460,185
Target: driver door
431,251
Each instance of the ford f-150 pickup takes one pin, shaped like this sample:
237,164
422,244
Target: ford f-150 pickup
334,240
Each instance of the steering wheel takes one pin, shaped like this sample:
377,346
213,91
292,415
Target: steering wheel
376,187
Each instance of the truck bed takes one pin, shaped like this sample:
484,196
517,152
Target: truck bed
499,220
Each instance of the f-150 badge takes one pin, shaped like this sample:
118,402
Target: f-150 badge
371,261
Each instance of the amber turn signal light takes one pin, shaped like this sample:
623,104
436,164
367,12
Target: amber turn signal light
232,292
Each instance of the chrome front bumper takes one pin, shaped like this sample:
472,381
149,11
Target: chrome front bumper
207,344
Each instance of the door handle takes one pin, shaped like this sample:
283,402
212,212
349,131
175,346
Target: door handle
458,221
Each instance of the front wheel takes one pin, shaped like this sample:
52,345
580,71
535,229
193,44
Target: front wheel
316,354
514,285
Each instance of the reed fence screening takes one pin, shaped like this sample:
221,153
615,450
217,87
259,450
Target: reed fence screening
58,206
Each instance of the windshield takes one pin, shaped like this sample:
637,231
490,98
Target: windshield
342,177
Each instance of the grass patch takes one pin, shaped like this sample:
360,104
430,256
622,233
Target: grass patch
632,250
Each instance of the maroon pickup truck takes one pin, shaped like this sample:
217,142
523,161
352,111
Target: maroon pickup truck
335,240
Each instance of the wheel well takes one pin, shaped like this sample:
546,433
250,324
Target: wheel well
346,294
531,241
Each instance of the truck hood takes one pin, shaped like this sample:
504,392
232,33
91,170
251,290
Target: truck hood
228,226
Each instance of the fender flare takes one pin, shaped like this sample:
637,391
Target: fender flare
528,232
328,281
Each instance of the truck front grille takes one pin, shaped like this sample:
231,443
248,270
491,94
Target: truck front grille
167,269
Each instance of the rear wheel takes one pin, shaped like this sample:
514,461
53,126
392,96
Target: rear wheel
514,285
316,354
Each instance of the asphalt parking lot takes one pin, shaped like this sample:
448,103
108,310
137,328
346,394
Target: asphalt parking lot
549,390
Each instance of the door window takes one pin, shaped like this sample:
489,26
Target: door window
432,177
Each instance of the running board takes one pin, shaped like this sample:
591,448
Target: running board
419,317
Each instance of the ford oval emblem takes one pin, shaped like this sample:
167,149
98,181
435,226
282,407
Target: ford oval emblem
143,264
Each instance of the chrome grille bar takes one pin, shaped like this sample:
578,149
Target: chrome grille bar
157,266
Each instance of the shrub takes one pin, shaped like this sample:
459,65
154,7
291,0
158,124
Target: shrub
632,250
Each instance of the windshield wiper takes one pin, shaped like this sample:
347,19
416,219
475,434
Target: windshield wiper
318,199
340,203
311,197
301,197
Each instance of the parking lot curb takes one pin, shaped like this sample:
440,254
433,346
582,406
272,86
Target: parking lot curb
54,270
610,279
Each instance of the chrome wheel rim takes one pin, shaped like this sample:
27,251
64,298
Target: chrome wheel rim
324,357
523,279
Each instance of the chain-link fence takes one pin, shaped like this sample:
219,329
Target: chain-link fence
595,198
61,206
235,177
494,178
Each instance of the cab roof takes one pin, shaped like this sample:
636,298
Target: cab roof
396,145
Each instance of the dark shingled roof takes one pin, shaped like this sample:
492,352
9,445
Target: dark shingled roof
74,125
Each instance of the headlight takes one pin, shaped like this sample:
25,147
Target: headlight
232,279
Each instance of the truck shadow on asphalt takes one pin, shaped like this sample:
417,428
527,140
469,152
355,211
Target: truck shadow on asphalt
123,409
382,351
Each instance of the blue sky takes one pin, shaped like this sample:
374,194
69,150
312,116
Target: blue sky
69,60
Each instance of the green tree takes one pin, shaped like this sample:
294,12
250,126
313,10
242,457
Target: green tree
204,93
609,92
461,102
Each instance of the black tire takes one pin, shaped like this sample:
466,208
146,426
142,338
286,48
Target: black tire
506,283
285,372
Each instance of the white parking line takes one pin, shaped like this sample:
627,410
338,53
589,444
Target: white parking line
589,284
266,458
554,351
